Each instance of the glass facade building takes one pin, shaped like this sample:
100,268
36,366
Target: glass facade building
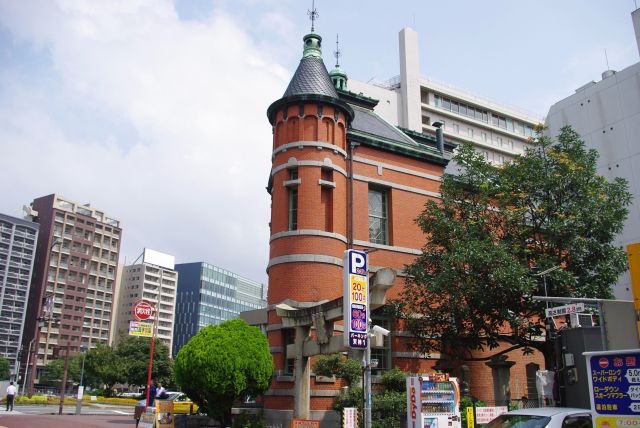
17,253
208,295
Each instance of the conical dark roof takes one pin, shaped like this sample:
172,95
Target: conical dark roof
311,77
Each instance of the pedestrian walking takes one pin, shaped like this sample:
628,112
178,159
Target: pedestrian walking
161,393
152,393
11,395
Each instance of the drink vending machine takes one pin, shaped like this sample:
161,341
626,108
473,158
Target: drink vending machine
433,401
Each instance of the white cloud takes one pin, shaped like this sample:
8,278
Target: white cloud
159,122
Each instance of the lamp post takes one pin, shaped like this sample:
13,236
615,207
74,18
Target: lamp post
81,387
26,367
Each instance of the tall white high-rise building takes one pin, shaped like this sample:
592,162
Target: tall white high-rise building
606,114
415,102
151,278
17,253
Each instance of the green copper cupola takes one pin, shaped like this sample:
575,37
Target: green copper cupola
312,46
338,75
311,82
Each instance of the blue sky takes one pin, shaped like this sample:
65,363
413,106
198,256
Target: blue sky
155,111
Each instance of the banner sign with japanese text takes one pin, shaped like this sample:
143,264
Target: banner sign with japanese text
141,329
305,423
614,387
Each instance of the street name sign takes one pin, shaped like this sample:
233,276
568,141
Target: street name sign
564,310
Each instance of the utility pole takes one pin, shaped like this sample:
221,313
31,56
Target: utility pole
63,384
26,371
81,386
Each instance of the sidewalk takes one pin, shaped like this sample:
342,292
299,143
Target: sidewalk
18,420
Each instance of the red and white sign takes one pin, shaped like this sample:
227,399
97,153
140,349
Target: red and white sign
414,402
485,414
350,417
143,310
603,362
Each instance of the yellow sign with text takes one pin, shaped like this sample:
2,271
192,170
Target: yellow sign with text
164,414
469,417
139,328
358,289
617,422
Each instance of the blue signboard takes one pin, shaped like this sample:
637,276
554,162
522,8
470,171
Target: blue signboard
615,382
356,299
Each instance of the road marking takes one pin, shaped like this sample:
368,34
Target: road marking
121,412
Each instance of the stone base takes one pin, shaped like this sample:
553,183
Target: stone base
282,418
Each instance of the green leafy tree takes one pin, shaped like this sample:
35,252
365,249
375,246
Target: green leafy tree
5,371
389,406
133,353
103,367
343,368
128,363
222,364
394,380
54,371
388,409
339,366
494,228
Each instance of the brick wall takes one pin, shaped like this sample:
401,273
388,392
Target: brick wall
409,183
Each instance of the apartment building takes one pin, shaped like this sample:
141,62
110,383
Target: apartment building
151,278
415,102
17,253
209,295
74,279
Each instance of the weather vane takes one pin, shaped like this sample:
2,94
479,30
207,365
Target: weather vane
337,53
313,14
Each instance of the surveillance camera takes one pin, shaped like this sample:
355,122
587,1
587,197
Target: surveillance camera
376,329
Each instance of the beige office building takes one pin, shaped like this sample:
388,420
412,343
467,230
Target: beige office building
151,278
415,102
74,277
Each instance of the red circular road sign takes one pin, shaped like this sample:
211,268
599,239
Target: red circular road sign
142,310
603,362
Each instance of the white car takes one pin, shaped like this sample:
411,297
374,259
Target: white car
544,417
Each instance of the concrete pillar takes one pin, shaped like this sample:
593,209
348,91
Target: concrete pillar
501,371
410,80
302,371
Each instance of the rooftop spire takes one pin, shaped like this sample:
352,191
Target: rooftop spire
313,15
338,76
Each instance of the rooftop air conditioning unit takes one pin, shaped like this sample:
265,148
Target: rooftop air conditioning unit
581,320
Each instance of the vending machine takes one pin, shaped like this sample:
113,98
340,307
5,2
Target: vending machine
433,401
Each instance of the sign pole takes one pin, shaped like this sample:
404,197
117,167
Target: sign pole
140,311
153,340
356,317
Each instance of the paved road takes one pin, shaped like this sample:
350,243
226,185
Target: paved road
18,419
92,409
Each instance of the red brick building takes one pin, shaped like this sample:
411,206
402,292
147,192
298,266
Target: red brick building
343,178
